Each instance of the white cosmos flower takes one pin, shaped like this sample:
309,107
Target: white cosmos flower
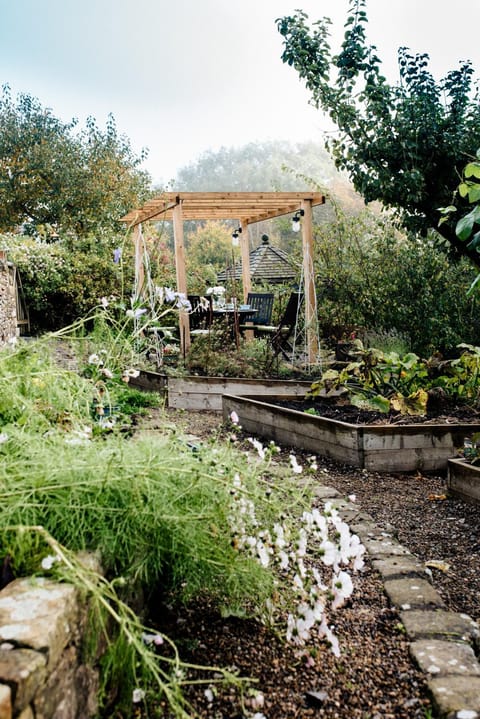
156,639
326,632
183,303
357,550
280,536
138,695
344,543
107,373
258,701
262,552
95,359
342,588
318,579
49,561
329,552
258,446
134,314
291,624
3,437
237,482
129,374
294,464
302,543
297,582
318,609
170,295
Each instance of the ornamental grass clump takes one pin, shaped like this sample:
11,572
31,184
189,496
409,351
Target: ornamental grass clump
154,511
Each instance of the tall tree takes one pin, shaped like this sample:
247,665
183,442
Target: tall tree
254,167
401,144
53,173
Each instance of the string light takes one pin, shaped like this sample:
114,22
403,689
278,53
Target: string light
235,240
296,220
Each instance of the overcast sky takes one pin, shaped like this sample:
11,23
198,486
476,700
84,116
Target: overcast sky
186,76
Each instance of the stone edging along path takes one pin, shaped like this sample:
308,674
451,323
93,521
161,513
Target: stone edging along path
445,645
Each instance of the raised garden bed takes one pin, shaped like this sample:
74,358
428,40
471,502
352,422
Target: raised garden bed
377,447
464,480
205,393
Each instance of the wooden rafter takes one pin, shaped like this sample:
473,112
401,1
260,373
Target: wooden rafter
246,207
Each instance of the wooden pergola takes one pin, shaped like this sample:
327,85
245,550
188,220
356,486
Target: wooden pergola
245,208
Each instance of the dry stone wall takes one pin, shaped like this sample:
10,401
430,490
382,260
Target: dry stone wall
43,673
8,307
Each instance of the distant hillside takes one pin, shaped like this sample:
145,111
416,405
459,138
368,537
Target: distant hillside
269,166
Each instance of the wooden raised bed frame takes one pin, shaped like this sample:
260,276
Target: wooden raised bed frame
463,480
205,393
390,448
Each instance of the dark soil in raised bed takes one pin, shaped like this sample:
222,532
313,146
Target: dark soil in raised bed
439,412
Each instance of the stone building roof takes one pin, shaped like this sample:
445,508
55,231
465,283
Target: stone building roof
267,264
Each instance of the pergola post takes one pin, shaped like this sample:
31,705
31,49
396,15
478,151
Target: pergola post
311,320
245,253
139,261
181,274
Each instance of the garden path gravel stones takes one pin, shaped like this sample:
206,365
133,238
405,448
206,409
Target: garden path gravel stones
404,620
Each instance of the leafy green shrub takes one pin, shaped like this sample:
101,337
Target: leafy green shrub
61,285
373,278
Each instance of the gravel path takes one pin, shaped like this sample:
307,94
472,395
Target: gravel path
375,677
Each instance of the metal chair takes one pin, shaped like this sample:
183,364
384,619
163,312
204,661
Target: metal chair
262,302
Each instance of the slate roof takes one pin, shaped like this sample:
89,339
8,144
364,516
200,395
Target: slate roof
267,263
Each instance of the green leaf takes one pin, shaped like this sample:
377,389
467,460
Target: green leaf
447,210
382,404
472,170
464,226
474,242
474,194
473,286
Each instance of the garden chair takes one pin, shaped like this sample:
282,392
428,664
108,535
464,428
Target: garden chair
282,333
260,320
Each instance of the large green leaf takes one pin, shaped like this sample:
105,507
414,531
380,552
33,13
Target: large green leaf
377,403
464,226
472,170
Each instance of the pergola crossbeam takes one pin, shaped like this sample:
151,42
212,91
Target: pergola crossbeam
242,206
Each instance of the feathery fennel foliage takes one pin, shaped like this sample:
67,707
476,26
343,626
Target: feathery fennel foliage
154,511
